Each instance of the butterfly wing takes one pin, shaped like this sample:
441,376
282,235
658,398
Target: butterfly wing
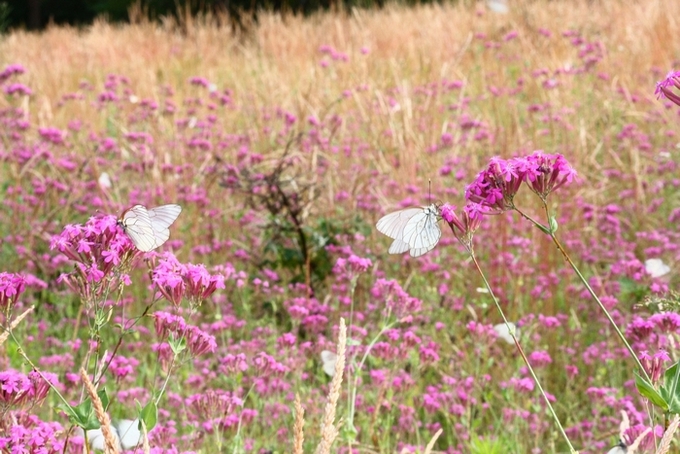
393,224
96,438
138,227
398,246
163,216
148,229
129,433
421,232
329,359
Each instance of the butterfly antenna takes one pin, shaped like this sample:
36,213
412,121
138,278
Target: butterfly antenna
429,191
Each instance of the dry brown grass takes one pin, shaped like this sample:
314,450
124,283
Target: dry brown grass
278,63
112,444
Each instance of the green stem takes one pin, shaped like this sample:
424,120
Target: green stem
361,365
591,291
521,352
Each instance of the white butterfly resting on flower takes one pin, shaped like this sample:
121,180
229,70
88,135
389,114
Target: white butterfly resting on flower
413,229
148,228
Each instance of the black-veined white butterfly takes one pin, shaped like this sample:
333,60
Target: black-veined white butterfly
413,229
126,432
148,228
329,359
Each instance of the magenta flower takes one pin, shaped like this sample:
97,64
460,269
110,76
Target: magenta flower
496,186
167,323
396,300
175,280
98,247
11,70
665,87
200,342
17,89
545,173
11,286
466,225
654,365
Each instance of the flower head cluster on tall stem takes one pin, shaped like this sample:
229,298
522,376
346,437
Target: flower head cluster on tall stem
197,340
397,301
465,225
665,87
11,286
545,172
100,249
495,187
175,281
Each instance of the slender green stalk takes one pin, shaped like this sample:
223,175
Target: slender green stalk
521,352
557,243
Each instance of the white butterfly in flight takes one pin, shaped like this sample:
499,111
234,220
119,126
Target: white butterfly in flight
148,228
413,229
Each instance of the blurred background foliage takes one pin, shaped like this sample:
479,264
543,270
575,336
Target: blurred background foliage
37,14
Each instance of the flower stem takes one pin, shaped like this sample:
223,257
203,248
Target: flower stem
590,290
521,352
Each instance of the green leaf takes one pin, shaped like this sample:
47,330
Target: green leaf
646,389
543,229
149,415
670,390
553,224
81,415
104,398
177,345
73,416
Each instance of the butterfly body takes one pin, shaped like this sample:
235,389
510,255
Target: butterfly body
148,228
413,229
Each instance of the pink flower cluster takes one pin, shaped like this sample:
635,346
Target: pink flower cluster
397,301
11,286
18,390
97,247
495,187
198,341
175,281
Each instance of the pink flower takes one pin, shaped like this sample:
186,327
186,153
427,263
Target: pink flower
11,286
496,186
665,87
466,225
546,173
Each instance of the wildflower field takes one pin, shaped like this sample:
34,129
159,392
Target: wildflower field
274,319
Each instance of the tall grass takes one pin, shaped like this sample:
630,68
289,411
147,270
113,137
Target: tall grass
347,115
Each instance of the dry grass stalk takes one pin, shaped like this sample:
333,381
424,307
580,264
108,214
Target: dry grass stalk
430,445
328,429
110,440
298,434
14,324
665,445
145,439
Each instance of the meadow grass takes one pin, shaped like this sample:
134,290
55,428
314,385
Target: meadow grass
284,144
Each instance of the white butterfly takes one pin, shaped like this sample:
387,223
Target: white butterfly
329,359
503,332
125,431
413,229
148,228
621,448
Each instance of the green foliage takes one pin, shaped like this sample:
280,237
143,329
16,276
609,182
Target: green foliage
480,445
83,415
149,415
